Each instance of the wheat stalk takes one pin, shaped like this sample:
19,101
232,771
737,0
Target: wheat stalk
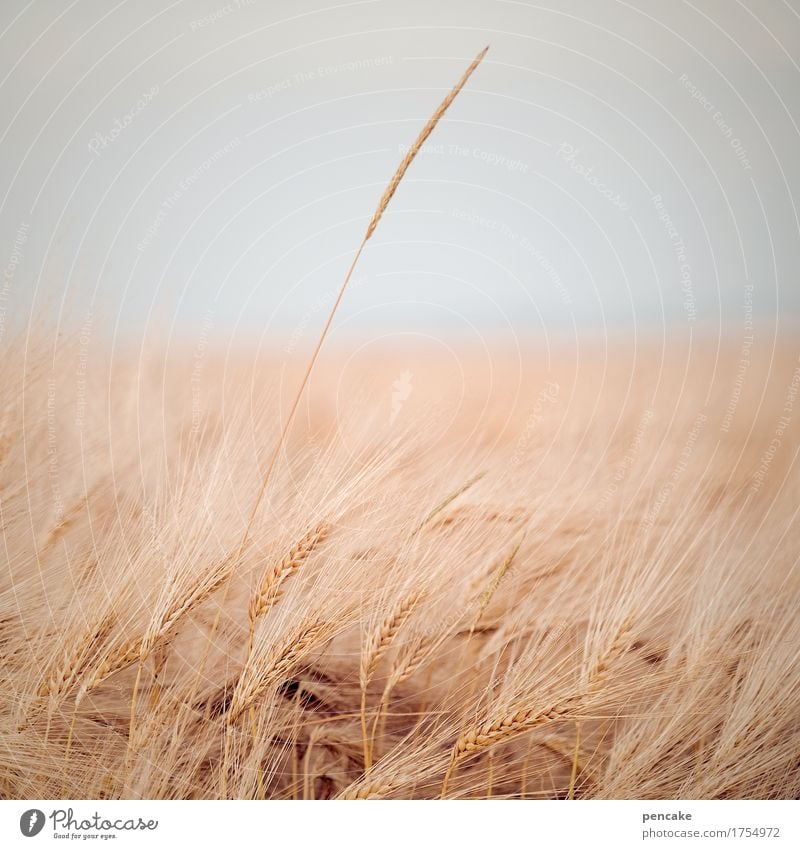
382,204
277,664
126,655
409,662
497,578
404,666
63,676
205,586
377,645
139,649
448,500
617,647
512,723
380,639
270,589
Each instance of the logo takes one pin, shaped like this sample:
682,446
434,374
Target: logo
401,390
31,822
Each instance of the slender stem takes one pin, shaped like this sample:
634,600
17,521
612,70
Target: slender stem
450,769
381,708
364,736
382,204
296,403
132,725
574,773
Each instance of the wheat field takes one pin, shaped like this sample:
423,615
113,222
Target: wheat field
553,572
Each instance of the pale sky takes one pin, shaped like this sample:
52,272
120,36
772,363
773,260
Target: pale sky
610,164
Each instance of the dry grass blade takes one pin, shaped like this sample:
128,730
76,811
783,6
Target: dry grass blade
448,500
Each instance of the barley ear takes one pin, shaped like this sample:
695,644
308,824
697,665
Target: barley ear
387,195
377,646
420,140
270,588
505,726
496,579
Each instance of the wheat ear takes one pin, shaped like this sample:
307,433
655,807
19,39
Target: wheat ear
383,203
619,645
421,138
64,675
497,578
449,499
368,791
277,664
270,588
404,666
504,727
140,648
377,645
